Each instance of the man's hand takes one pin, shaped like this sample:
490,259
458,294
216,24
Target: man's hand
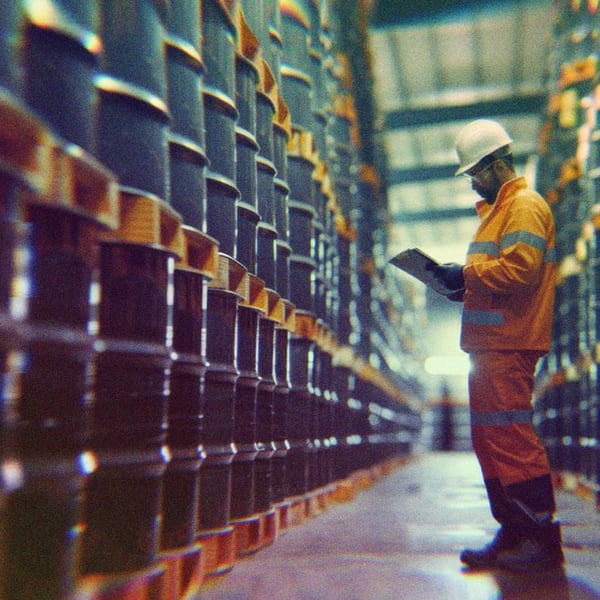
450,274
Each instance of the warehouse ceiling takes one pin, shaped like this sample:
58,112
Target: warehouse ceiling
438,64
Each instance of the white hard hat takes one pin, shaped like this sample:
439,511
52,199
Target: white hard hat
478,139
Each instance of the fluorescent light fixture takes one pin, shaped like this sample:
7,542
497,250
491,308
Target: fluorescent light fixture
447,365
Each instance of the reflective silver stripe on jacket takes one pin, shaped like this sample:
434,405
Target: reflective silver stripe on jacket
482,317
506,417
531,239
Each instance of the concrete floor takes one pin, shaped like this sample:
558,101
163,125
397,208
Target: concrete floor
400,540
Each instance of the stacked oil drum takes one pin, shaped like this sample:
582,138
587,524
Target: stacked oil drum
567,398
177,291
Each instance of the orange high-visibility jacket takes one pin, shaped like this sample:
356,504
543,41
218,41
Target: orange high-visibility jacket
510,273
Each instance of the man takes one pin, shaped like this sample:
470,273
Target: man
507,286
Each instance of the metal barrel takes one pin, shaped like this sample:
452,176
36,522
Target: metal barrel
219,43
247,79
129,417
265,414
266,98
133,118
281,191
181,489
132,39
187,153
300,404
60,54
247,213
279,484
214,530
64,216
273,49
242,512
133,136
11,40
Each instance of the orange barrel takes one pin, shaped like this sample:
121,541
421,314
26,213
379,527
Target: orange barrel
60,58
279,480
214,531
129,417
187,153
11,32
180,494
301,356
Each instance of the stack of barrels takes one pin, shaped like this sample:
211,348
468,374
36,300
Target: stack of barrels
177,261
567,403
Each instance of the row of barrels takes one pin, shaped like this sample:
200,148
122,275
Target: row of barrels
567,399
174,267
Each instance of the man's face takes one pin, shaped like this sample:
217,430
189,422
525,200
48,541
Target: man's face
484,181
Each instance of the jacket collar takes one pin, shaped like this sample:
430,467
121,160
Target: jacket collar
507,189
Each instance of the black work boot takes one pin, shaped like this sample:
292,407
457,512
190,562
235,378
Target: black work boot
506,539
538,549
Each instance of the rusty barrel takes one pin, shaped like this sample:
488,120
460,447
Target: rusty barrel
60,57
131,387
243,468
181,490
214,530
187,145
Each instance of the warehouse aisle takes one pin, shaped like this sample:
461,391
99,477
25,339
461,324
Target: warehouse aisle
400,539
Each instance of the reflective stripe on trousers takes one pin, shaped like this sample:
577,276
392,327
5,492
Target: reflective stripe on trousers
500,391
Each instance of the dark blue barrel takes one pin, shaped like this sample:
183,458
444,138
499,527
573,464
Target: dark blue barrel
187,153
132,37
214,529
60,58
243,519
11,41
273,50
133,136
299,411
43,517
133,116
181,489
130,413
219,42
281,399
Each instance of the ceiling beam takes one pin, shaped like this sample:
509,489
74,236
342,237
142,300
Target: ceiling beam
436,172
438,214
519,104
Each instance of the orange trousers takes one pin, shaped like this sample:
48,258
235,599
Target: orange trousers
500,394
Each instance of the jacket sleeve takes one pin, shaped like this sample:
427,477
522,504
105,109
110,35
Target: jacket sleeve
521,249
